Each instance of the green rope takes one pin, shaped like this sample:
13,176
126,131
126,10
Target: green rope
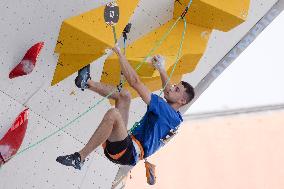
177,58
136,124
115,41
102,99
158,44
114,34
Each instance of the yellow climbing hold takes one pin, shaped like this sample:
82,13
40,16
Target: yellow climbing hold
86,36
203,16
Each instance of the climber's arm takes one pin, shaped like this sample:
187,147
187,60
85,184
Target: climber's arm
132,77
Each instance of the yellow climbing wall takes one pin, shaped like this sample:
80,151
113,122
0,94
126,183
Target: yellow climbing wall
215,14
202,18
85,37
193,48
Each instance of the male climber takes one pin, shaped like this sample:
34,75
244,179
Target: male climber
159,122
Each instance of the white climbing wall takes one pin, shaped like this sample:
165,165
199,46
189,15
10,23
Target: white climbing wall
24,23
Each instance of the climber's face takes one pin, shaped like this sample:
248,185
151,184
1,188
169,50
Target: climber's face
176,94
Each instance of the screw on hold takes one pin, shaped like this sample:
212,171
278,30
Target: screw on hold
178,2
73,93
59,42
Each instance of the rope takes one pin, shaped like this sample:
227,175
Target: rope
114,34
136,124
126,30
177,58
107,96
172,71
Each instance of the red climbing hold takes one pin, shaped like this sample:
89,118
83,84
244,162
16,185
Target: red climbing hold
11,142
28,63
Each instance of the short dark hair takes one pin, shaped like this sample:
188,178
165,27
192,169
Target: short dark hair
189,90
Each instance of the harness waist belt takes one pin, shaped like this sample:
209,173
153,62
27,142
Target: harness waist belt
137,145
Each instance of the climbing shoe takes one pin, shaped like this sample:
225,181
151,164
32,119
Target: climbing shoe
73,160
83,77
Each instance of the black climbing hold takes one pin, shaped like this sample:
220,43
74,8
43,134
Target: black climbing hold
126,30
111,14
